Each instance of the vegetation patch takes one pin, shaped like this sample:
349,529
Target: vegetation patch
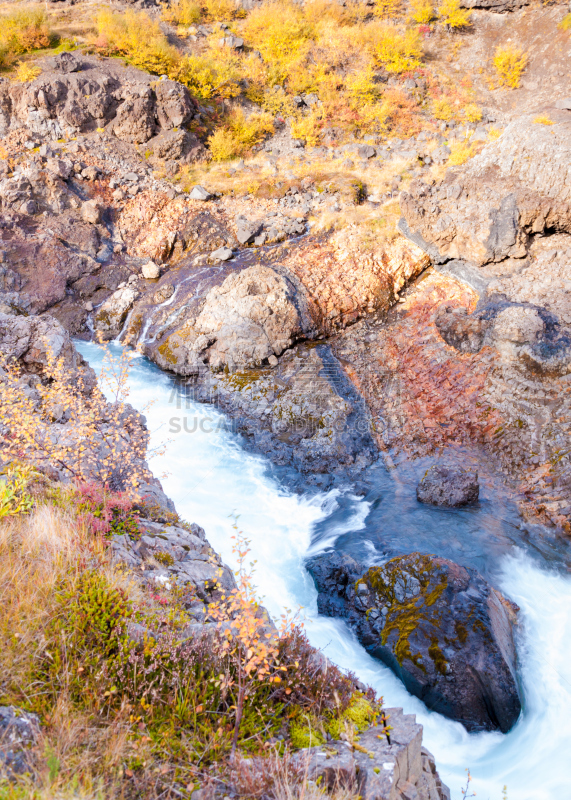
509,63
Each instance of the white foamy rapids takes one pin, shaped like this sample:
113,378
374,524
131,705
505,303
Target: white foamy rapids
211,480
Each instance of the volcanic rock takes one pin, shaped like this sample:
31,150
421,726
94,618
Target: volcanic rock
19,730
441,628
131,103
251,316
36,342
448,486
112,314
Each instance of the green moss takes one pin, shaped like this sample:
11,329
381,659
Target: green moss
166,352
437,656
360,714
164,558
103,318
406,615
461,632
304,732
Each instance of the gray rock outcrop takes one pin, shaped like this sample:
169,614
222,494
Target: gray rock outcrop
393,767
19,730
169,553
38,341
252,315
502,223
98,94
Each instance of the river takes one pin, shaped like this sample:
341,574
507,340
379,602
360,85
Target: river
213,479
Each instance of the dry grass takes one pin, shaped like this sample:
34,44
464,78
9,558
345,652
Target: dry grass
98,741
37,554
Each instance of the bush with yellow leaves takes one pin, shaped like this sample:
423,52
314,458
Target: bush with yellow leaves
281,33
27,72
138,38
421,11
394,48
452,15
460,153
509,63
472,113
387,9
239,134
442,109
22,31
215,73
182,12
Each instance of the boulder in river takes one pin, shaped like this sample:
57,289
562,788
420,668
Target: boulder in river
441,628
442,485
249,317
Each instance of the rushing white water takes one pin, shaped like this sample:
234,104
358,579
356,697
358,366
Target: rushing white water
212,479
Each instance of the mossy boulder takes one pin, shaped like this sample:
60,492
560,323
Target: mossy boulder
441,628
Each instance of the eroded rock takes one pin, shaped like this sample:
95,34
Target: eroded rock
251,316
442,485
441,628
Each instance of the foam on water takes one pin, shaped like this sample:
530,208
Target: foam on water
212,480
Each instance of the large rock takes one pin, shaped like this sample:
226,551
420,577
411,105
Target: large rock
178,146
101,93
393,767
19,731
250,317
112,314
502,224
529,337
440,627
448,486
490,210
38,342
304,413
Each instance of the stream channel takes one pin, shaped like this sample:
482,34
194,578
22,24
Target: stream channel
212,479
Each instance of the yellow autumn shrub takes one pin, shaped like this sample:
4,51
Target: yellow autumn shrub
421,11
452,15
239,133
281,33
23,30
460,153
308,127
386,9
396,49
509,63
216,73
27,72
182,12
220,10
138,38
472,113
442,109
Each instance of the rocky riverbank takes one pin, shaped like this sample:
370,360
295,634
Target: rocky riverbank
330,344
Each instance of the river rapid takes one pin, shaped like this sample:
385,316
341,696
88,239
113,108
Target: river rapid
213,480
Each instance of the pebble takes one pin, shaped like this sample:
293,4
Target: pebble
222,254
150,271
200,193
